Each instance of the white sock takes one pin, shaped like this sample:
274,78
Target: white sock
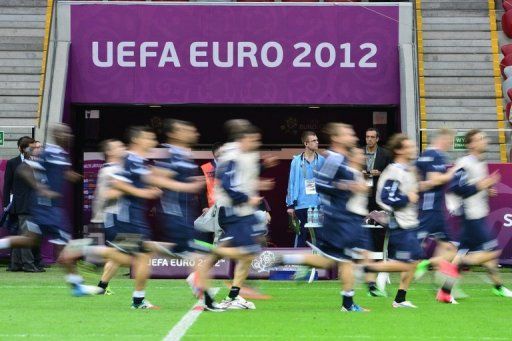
348,293
74,279
139,294
5,243
293,259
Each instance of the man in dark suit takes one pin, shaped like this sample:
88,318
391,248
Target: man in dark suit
377,158
21,259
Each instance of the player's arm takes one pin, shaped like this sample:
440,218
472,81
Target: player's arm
162,176
461,186
112,194
168,183
392,196
326,178
27,175
349,182
226,175
72,176
125,186
159,170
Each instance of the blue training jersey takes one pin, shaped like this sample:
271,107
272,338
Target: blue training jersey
430,161
54,162
179,204
133,172
334,200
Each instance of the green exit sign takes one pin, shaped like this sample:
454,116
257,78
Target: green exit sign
459,143
1,138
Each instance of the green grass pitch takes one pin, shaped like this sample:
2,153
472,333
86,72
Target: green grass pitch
39,306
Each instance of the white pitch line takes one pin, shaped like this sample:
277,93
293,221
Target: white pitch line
180,328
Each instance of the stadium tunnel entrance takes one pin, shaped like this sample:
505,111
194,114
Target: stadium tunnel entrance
281,128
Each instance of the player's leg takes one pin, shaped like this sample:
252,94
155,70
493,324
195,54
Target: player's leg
109,271
234,300
111,267
142,273
446,247
346,271
405,249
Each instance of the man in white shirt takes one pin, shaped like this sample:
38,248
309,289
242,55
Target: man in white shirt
105,204
473,185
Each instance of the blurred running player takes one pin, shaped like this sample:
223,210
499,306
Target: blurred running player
434,174
473,184
130,232
236,194
105,205
47,176
397,193
340,192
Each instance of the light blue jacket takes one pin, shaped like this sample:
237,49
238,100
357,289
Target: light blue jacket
300,170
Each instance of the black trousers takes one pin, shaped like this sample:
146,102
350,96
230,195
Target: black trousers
25,258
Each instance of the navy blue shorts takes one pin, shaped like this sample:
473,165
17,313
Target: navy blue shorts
475,236
114,226
109,221
365,240
433,224
181,233
239,231
403,245
338,238
51,222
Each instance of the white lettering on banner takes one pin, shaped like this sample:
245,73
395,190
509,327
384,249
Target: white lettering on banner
229,55
297,62
346,56
373,51
109,55
279,54
180,262
318,55
169,55
144,53
204,54
508,219
122,53
194,53
244,53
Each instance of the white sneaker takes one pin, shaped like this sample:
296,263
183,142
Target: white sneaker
404,304
503,292
215,308
86,290
237,303
145,305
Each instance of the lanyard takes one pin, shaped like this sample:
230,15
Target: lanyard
303,164
369,166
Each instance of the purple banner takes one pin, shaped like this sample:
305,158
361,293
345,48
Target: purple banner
162,267
234,54
500,218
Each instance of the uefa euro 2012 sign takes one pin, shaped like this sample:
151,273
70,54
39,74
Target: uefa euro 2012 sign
211,53
204,54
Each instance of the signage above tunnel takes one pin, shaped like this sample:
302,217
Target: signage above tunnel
235,54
